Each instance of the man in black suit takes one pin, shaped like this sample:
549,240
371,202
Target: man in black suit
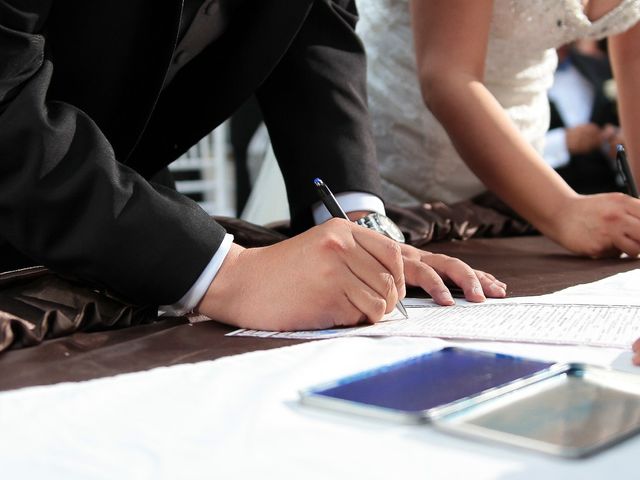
97,96
584,122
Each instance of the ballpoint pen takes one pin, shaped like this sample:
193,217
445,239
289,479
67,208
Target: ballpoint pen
336,211
625,171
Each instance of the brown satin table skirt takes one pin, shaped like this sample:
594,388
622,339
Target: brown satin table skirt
530,265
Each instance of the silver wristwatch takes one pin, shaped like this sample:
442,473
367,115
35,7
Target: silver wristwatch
383,225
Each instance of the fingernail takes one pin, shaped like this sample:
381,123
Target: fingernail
497,289
478,290
445,296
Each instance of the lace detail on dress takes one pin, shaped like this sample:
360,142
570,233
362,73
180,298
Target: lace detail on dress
417,160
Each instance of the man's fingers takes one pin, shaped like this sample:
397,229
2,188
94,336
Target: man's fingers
385,251
459,273
368,270
379,275
627,245
491,287
475,284
628,240
492,278
367,301
427,278
430,272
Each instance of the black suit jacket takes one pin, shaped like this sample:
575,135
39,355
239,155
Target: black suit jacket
84,120
592,172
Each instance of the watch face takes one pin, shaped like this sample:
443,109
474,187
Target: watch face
389,228
383,225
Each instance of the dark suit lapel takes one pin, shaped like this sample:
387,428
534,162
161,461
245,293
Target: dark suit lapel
556,120
109,59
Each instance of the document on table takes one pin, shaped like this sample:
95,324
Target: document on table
596,325
546,319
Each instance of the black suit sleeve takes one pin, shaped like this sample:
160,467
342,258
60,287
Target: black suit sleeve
66,201
314,104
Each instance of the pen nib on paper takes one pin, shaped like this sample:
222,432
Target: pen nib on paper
402,310
336,211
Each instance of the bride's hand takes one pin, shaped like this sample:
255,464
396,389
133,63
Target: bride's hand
602,225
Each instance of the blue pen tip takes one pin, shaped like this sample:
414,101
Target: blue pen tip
318,182
620,148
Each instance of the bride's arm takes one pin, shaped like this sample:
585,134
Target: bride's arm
624,51
451,39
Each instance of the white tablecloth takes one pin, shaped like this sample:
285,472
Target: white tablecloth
238,417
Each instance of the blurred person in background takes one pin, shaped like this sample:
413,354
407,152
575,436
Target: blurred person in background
583,134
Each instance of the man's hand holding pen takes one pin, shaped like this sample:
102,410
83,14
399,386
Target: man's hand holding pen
335,274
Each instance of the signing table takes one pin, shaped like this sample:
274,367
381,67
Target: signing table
176,400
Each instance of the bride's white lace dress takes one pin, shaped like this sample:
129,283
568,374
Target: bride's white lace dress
417,160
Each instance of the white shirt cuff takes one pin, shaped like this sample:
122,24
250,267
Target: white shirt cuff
350,202
190,299
556,153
